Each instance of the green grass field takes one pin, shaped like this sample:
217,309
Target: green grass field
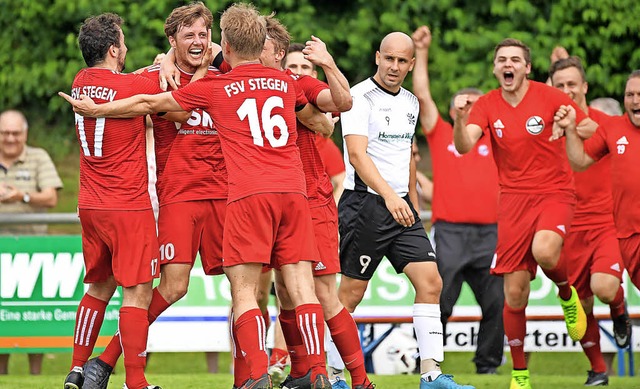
188,370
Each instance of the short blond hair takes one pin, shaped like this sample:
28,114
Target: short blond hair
244,29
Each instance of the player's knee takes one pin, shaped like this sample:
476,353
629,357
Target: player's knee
546,252
516,296
350,299
175,292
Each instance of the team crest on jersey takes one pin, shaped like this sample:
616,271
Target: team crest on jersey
499,127
622,144
535,125
483,150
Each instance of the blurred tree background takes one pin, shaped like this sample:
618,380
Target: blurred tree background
39,54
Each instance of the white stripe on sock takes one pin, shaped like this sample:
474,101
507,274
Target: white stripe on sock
93,320
78,321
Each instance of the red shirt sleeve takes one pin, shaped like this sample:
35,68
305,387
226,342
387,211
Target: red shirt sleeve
301,99
313,87
596,146
330,155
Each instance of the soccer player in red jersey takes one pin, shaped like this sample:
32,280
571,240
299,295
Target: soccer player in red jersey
268,219
118,226
591,247
331,156
465,213
618,136
192,206
329,98
537,195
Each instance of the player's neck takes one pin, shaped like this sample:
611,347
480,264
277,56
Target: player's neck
515,97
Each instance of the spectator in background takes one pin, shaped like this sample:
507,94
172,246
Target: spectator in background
29,183
465,213
608,105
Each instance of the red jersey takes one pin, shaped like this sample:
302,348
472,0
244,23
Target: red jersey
527,161
189,158
593,190
253,107
465,186
618,137
331,156
113,160
319,187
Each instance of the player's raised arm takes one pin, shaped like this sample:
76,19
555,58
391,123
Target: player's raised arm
465,135
338,97
421,88
133,106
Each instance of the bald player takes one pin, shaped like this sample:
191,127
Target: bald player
377,216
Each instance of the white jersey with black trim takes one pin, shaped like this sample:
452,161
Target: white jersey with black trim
388,120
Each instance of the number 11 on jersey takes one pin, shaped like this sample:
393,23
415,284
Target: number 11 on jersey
98,135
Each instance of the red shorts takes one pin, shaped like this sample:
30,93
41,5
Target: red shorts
189,227
269,228
520,216
630,250
325,225
586,252
119,243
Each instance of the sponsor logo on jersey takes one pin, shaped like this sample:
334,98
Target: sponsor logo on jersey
562,228
320,266
535,125
385,137
498,124
412,119
622,144
616,267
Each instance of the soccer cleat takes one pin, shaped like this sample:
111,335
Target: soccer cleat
303,382
264,382
277,374
321,382
596,379
342,384
622,329
444,381
96,374
574,316
74,379
520,379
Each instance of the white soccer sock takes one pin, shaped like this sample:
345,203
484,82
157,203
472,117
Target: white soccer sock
428,327
333,356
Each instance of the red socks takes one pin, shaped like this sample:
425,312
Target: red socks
591,345
347,340
295,344
134,331
515,328
310,321
250,332
113,351
89,318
